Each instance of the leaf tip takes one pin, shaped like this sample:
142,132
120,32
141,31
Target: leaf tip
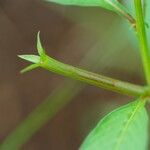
31,58
40,48
29,68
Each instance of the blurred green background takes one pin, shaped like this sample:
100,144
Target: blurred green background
92,38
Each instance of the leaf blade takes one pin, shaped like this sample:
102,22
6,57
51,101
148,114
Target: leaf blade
112,5
41,50
31,58
29,68
108,4
119,130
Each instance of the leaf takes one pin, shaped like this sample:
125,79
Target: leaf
40,48
103,3
31,58
123,129
29,68
113,5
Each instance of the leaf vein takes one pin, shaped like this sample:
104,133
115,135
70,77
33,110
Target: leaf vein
126,126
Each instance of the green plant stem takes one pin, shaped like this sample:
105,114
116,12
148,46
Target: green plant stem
141,31
91,78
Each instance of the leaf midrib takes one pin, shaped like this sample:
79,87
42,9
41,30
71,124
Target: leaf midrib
115,6
126,126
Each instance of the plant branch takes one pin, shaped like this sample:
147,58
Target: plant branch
46,62
62,94
141,31
91,78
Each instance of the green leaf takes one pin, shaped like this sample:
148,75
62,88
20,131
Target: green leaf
29,68
31,58
103,3
40,48
113,5
123,129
